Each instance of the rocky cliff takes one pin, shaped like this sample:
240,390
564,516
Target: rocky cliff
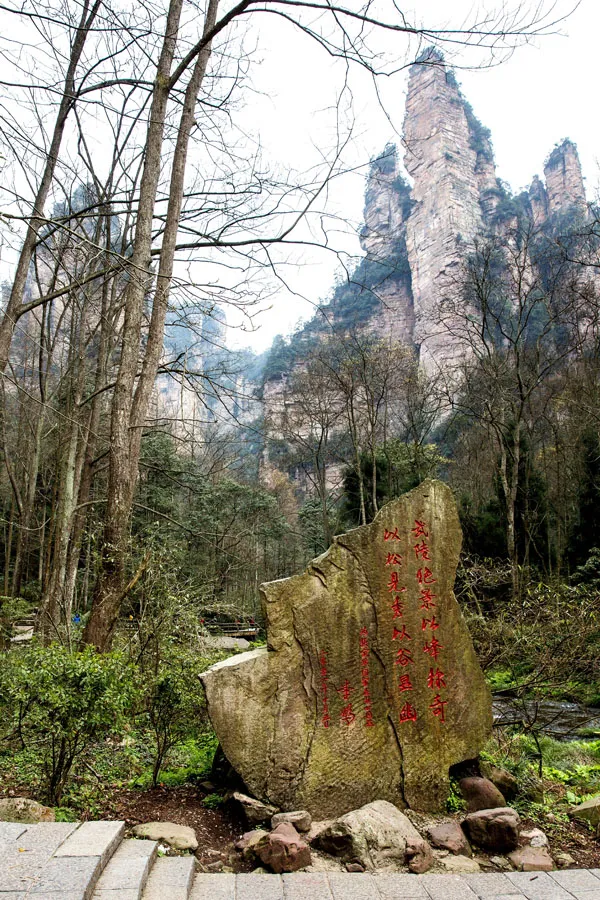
415,235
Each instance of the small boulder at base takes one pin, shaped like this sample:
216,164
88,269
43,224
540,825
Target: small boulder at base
455,865
531,859
256,812
505,781
375,835
369,687
283,850
247,843
299,818
563,860
588,811
25,811
493,829
535,838
480,793
418,855
179,837
449,836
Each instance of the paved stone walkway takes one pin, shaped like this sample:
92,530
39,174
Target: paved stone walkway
91,861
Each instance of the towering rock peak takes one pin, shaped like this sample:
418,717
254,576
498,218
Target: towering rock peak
449,156
387,205
564,180
538,199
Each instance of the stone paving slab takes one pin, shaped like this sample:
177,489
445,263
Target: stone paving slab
170,878
353,887
10,831
93,839
492,885
538,886
400,887
577,880
128,869
66,876
306,886
113,895
213,887
447,887
259,887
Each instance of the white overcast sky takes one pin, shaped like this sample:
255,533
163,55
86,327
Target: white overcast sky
544,93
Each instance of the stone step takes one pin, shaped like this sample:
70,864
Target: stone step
170,879
26,851
93,839
127,871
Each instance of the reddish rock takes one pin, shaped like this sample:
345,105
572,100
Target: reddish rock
450,836
283,850
493,829
418,855
300,819
531,859
480,793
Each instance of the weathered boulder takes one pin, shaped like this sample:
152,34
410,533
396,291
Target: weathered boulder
449,836
505,781
493,829
535,838
480,793
588,811
248,841
563,860
28,812
256,812
370,687
375,836
283,850
179,837
454,865
531,859
418,855
299,818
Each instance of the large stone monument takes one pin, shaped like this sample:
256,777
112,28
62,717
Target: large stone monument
369,688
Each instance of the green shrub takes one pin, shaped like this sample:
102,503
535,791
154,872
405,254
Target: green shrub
62,701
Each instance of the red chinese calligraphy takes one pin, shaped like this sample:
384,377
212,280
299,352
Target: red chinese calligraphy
438,708
432,623
408,713
403,657
393,559
422,551
401,634
347,715
397,607
393,582
404,683
433,647
345,690
425,576
420,529
391,535
436,679
427,599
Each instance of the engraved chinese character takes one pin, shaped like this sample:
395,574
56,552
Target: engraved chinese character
347,715
422,551
391,535
401,634
438,708
345,690
408,713
433,648
425,576
326,720
404,683
436,679
432,623
393,559
403,657
393,582
427,599
397,608
420,529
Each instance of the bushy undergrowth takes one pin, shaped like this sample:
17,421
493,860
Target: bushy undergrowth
73,722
